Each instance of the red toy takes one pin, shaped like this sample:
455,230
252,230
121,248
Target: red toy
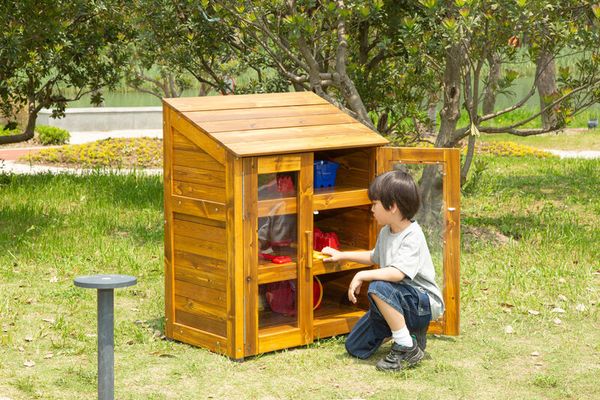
323,239
285,185
276,259
281,296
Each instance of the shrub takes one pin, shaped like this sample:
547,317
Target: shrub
110,153
9,132
508,149
52,135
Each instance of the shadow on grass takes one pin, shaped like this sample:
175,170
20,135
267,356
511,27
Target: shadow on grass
35,204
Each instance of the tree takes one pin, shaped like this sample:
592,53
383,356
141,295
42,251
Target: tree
383,61
176,40
348,52
53,52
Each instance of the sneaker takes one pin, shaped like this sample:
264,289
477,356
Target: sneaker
421,336
400,355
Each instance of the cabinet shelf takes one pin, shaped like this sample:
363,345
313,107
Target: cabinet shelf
323,199
331,318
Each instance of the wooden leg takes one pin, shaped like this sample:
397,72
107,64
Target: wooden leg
394,319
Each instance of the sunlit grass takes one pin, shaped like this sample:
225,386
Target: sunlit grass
529,243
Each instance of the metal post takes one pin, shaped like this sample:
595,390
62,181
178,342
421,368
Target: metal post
106,344
105,285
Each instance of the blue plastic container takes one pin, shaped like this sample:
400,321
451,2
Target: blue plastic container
325,173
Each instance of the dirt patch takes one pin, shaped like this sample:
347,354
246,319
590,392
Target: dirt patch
484,234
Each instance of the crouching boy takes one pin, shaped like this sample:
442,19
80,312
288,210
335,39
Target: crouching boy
402,293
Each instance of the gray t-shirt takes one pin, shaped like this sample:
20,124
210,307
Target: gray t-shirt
408,252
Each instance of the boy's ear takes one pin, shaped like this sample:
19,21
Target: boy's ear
394,208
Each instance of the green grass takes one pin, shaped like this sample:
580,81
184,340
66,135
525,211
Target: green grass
530,236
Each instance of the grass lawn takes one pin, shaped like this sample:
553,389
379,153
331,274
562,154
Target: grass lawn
530,246
569,139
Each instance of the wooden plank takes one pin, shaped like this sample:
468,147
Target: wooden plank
199,270
352,225
196,158
210,341
168,221
276,272
180,142
352,130
276,122
199,191
202,294
282,339
199,138
202,248
199,308
325,199
199,220
452,245
231,102
305,236
199,208
199,231
415,154
282,206
354,166
290,144
320,267
337,324
436,328
272,164
198,117
235,256
214,179
201,322
250,240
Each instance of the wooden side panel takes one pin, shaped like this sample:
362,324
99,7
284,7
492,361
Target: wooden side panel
168,220
200,138
198,208
250,166
199,270
235,257
452,238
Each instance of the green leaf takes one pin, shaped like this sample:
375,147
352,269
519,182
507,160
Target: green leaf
596,10
428,3
521,3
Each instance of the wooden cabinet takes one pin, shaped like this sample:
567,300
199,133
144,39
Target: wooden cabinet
239,190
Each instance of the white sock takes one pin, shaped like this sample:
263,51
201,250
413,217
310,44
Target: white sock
402,337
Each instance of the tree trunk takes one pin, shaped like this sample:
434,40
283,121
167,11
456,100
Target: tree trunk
489,94
546,68
29,129
431,181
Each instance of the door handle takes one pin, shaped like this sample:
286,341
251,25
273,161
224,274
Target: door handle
308,238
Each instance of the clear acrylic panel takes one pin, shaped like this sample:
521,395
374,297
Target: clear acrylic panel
431,214
278,249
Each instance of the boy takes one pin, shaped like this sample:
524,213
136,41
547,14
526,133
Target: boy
402,293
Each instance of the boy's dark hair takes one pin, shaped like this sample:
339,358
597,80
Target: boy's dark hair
396,187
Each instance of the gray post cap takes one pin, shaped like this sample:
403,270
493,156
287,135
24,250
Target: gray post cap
105,281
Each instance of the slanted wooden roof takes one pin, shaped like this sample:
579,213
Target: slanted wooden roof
274,123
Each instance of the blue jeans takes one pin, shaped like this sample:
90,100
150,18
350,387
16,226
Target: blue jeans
370,331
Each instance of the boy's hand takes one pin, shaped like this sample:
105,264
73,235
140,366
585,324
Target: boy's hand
354,287
336,255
